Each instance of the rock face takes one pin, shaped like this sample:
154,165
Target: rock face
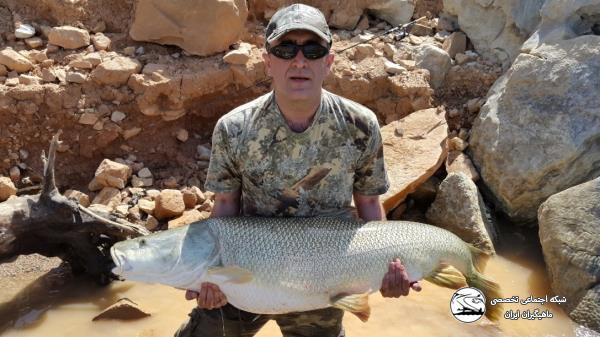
570,237
414,148
496,28
534,137
200,27
459,208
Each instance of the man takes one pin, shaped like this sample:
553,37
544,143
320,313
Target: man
296,151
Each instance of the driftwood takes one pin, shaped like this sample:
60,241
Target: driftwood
52,225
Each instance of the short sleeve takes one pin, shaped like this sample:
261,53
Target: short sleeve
370,176
222,175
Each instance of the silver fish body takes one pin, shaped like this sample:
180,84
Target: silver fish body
280,265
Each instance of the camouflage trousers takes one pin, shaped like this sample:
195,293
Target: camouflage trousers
229,321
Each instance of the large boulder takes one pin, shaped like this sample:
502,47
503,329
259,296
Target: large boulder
570,237
459,208
539,131
414,148
563,20
200,27
496,28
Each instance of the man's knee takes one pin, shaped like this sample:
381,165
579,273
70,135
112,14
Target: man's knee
225,321
317,323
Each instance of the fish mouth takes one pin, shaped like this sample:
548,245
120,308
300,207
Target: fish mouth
121,264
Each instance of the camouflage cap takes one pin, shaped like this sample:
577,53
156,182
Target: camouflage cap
297,17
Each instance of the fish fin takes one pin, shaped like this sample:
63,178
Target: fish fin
479,257
447,276
358,304
232,274
490,289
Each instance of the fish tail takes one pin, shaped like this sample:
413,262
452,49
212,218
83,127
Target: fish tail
490,289
479,257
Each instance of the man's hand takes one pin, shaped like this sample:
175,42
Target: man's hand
396,283
209,297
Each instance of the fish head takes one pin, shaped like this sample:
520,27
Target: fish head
174,257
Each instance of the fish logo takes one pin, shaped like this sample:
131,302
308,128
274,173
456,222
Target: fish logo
467,304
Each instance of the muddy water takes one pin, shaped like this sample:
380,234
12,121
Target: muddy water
56,305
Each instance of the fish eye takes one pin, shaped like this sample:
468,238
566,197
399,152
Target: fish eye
142,243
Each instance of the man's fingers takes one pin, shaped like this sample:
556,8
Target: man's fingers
401,279
190,295
416,286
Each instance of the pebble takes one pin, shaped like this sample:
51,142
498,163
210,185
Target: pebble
393,68
101,41
23,154
24,31
29,80
170,182
14,173
47,63
75,77
81,64
129,51
203,152
12,82
151,223
99,125
88,119
34,42
117,116
130,133
144,173
457,144
182,135
453,113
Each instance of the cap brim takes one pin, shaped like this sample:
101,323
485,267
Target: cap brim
297,26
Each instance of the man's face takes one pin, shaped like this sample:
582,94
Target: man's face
298,78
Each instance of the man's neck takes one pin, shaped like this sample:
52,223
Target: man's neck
298,113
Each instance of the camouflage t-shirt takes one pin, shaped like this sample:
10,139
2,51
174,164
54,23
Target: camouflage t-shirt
285,173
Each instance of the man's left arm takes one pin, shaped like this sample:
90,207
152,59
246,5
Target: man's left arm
395,282
371,181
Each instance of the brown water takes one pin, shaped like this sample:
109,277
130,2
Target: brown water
56,305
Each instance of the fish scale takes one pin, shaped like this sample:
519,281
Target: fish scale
280,265
311,252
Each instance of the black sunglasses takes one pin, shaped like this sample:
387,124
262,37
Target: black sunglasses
289,50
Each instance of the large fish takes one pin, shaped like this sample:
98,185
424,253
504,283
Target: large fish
280,265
